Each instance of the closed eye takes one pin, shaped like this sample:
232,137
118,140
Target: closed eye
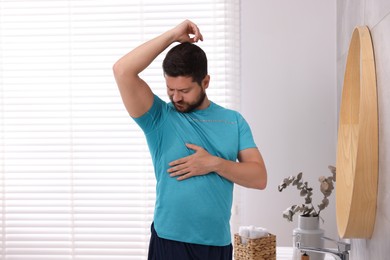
186,90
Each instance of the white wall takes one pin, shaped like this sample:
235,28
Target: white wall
375,15
289,97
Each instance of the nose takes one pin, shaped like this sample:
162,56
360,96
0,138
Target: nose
177,97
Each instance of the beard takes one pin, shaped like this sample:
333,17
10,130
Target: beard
185,107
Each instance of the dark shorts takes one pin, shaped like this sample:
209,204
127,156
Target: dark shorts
164,249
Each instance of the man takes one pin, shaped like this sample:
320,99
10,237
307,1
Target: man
195,145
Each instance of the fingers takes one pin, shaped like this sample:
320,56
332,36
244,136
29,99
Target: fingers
178,162
189,32
196,32
194,147
180,171
184,177
189,166
177,170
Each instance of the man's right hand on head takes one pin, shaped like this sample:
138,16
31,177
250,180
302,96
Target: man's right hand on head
187,31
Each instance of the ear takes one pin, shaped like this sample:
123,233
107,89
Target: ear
206,81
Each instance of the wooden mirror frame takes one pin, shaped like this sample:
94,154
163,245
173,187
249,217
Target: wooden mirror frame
357,146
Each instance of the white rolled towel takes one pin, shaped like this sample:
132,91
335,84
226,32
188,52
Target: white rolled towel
252,232
243,231
258,232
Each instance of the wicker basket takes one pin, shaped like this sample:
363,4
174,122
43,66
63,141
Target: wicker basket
263,248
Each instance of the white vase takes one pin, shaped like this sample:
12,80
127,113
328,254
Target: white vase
309,234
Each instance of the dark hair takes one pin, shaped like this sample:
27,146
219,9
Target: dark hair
186,59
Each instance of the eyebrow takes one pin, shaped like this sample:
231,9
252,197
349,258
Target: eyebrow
181,89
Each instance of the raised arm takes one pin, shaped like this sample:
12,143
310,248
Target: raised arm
136,94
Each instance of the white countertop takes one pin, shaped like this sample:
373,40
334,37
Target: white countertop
286,253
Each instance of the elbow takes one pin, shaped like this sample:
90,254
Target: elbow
261,182
123,73
118,69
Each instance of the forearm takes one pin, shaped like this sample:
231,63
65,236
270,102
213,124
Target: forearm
247,174
138,59
141,57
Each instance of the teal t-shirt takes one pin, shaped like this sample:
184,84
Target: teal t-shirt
196,210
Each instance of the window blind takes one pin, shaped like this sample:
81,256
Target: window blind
76,175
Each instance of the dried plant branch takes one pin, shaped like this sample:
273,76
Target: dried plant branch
307,208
